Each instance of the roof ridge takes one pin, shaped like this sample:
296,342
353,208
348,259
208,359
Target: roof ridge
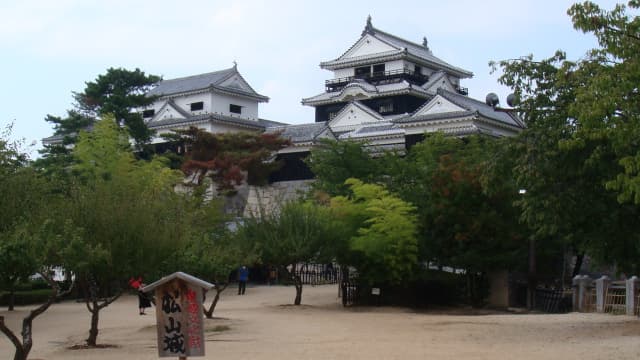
203,74
301,125
376,30
449,93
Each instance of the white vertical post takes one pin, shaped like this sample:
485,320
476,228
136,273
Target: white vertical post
580,292
632,295
602,284
577,290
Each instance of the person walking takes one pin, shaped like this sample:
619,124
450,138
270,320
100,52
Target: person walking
143,300
243,277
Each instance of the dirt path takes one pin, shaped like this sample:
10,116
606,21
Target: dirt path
258,326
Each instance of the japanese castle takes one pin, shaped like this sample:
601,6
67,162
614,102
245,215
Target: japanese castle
386,92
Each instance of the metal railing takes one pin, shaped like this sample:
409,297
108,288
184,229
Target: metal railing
615,300
339,83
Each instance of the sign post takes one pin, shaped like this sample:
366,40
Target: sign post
179,314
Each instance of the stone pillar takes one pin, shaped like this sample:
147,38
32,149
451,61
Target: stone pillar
580,284
632,294
602,284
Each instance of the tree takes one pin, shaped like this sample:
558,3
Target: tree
129,217
606,103
231,158
24,207
213,258
581,117
22,194
296,234
333,162
380,233
464,214
117,93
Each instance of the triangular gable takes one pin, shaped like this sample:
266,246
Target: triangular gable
368,45
438,105
168,111
352,116
439,81
325,134
236,82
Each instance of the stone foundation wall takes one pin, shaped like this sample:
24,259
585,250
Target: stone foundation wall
267,199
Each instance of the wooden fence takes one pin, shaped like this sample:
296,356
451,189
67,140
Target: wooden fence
606,296
319,274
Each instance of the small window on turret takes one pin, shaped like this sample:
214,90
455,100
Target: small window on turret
417,70
148,113
236,109
197,106
378,69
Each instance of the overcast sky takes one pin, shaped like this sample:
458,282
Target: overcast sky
48,49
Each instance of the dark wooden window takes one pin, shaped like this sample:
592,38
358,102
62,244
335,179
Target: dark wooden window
417,70
236,109
197,106
363,71
148,113
378,69
386,106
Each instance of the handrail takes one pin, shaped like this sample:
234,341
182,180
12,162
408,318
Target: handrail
377,74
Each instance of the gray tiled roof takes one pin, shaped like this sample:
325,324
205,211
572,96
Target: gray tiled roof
201,82
416,50
259,124
374,130
428,117
403,48
372,91
300,133
482,108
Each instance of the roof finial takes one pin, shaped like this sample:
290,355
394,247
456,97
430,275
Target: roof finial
235,65
425,43
368,29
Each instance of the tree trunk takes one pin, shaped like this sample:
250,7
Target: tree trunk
94,305
12,297
23,348
93,331
297,281
209,312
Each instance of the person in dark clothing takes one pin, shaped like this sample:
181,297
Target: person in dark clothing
243,277
143,300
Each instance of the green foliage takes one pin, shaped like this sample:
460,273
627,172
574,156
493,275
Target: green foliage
577,157
464,203
129,216
214,258
294,234
383,229
117,92
333,162
297,233
23,201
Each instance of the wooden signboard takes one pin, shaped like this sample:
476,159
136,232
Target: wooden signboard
179,315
